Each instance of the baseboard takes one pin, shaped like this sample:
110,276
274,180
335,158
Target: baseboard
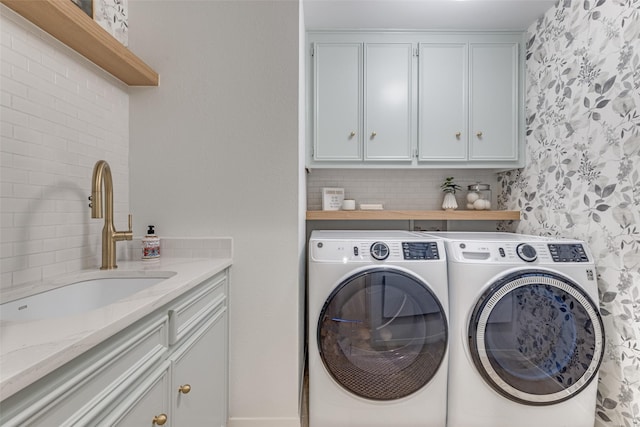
264,422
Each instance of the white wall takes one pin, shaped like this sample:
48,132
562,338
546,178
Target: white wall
214,152
302,191
59,115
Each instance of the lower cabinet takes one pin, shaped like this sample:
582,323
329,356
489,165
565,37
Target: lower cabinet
169,368
145,406
199,396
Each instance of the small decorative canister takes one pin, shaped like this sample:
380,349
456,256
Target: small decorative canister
479,196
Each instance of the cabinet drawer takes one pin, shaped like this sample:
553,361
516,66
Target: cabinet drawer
189,313
74,390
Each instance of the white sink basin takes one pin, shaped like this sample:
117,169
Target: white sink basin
78,297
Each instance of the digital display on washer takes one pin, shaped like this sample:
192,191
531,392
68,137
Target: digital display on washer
420,250
568,252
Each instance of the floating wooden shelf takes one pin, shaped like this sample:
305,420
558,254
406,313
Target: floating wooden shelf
68,23
458,215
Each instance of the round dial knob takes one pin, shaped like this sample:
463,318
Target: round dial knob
526,252
379,251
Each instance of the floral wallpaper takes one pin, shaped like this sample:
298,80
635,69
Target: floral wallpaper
112,15
582,177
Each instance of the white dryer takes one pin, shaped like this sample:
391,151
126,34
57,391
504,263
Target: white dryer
378,329
526,334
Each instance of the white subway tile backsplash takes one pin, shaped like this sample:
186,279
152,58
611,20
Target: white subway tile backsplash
12,87
42,232
27,135
189,247
13,58
395,188
41,259
6,250
59,114
38,70
54,64
27,275
9,115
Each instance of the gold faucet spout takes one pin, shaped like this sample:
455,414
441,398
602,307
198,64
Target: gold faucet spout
100,180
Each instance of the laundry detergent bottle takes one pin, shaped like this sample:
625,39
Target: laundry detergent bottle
150,245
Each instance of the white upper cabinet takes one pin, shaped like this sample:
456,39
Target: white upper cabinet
362,112
415,100
493,118
337,91
444,102
468,103
387,120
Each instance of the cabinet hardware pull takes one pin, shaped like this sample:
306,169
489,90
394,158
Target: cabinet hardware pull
160,420
373,134
458,134
352,134
184,389
479,134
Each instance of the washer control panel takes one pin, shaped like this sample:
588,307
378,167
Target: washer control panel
420,250
568,252
375,250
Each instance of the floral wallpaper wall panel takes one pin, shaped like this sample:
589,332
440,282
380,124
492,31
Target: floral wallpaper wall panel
112,15
582,177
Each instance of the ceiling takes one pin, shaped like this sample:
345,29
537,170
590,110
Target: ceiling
424,14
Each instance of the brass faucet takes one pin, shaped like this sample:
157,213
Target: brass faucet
102,178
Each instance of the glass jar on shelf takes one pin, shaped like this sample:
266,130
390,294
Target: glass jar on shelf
479,197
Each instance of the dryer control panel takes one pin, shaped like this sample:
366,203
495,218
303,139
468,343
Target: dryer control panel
568,252
534,252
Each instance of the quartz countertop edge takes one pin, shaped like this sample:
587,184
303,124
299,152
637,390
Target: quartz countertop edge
30,350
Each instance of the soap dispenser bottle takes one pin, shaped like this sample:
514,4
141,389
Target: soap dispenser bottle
150,245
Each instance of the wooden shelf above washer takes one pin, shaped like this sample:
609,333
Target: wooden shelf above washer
458,215
68,23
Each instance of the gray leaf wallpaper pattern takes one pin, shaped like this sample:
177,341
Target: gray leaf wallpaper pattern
582,177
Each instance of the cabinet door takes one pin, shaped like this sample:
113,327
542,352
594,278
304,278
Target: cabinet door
337,95
494,101
199,386
388,101
147,405
443,101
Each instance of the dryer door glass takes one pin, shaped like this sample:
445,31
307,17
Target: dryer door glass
382,334
536,337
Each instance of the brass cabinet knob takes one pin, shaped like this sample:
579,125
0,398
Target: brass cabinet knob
160,420
458,134
184,389
352,134
479,134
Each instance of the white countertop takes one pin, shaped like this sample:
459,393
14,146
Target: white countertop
30,350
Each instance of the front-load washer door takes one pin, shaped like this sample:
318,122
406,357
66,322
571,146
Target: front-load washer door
382,334
536,337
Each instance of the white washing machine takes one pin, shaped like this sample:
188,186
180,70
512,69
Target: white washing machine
378,329
526,334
